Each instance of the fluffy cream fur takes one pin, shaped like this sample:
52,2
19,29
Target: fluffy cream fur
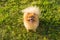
32,9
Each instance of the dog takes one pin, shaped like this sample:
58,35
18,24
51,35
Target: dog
31,18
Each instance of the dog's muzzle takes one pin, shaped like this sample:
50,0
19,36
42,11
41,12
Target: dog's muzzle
32,19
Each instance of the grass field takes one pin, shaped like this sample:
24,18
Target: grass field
11,20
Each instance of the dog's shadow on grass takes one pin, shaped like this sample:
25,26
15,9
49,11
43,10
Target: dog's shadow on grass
47,28
43,28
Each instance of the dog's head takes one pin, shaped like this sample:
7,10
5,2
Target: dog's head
31,17
31,13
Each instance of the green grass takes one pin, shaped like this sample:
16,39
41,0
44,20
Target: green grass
11,20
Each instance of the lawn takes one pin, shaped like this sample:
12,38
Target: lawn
11,20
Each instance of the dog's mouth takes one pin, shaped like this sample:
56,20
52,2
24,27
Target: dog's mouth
31,19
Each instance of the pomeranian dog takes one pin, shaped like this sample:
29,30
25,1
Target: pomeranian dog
31,18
